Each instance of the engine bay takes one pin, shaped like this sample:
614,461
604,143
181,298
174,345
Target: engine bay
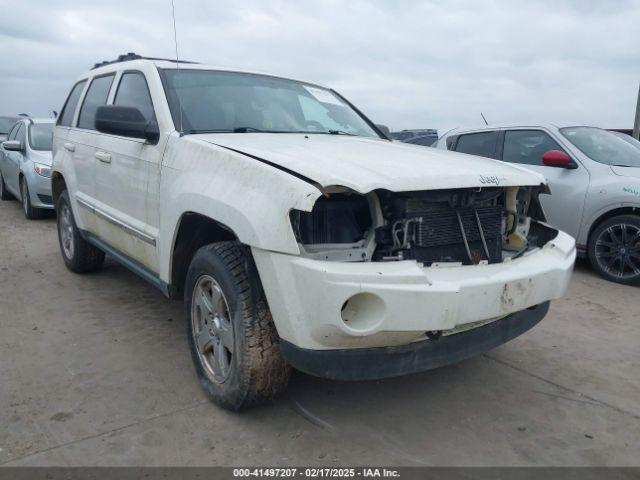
459,226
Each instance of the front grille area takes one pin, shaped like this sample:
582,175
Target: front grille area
441,226
438,237
429,226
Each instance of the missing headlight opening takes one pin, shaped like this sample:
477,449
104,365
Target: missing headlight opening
461,226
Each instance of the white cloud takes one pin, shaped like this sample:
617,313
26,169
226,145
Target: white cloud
409,64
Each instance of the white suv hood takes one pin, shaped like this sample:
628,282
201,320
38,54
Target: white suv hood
366,164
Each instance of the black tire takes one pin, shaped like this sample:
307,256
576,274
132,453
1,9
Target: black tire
257,371
82,257
614,249
30,212
4,193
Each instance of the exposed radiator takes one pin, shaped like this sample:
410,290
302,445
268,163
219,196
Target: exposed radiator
439,237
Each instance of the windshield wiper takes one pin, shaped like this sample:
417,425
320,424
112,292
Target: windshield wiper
340,132
195,132
246,130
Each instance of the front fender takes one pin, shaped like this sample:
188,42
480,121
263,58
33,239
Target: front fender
592,216
249,197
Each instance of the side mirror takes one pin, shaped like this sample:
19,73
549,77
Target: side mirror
126,122
385,130
12,145
558,159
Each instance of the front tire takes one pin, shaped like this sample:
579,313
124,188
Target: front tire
79,255
30,212
233,341
4,193
614,249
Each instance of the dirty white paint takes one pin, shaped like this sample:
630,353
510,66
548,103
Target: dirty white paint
366,164
306,296
203,174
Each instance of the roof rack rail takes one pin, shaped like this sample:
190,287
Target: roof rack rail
134,56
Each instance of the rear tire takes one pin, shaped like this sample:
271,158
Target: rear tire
79,255
30,211
614,249
234,344
4,193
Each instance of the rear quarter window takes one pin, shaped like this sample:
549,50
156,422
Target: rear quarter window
69,108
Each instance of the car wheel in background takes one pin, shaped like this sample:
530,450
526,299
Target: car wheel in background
79,255
233,341
4,193
30,211
614,249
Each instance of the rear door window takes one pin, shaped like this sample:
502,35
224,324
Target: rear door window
96,96
66,116
527,146
480,143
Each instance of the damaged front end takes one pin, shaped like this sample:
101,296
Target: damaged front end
466,226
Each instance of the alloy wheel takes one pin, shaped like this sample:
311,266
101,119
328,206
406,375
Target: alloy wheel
66,231
617,250
212,329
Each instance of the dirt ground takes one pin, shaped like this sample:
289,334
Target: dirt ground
95,370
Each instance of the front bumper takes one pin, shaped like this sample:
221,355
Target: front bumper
394,303
39,190
385,362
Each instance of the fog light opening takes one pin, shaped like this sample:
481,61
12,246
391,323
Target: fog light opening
363,311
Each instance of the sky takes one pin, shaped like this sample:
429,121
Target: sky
404,63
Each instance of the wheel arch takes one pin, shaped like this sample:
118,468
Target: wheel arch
193,230
58,185
614,212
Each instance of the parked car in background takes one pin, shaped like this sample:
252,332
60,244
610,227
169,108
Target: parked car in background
426,137
25,165
5,125
626,131
295,231
594,176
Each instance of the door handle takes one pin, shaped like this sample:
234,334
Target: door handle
70,146
103,156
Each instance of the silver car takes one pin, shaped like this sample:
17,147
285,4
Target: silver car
25,165
594,177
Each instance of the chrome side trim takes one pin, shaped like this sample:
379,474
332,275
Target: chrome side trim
114,221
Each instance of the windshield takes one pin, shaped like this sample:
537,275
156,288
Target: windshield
41,136
215,101
602,146
6,123
627,138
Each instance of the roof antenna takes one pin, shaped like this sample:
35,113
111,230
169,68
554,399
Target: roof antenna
481,114
175,41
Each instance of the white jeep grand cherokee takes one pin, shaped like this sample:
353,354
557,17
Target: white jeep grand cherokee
297,232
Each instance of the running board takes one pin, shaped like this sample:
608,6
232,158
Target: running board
128,262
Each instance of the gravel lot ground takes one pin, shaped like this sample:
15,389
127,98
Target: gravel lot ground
95,370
